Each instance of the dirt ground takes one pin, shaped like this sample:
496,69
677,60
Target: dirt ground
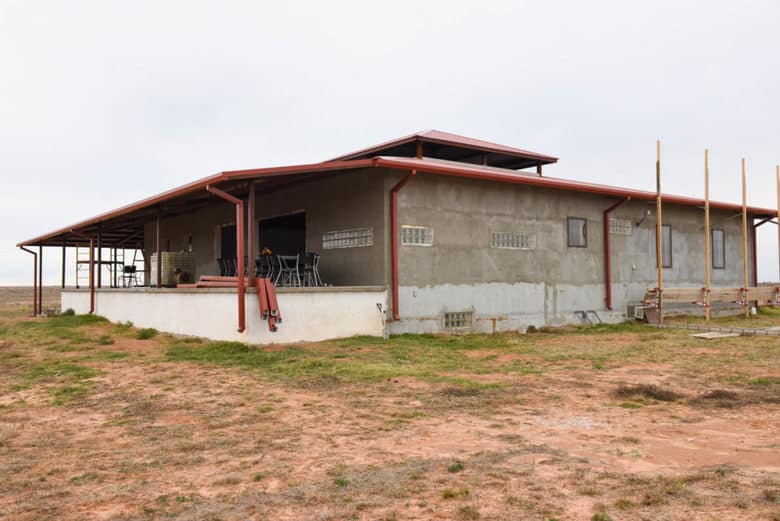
102,421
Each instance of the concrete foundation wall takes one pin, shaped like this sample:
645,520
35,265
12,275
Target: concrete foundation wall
543,285
308,315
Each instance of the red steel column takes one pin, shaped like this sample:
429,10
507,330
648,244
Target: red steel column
64,245
40,279
35,279
241,275
251,232
158,248
394,237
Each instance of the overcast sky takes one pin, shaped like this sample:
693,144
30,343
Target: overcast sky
105,102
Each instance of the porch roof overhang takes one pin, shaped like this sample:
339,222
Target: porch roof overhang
124,226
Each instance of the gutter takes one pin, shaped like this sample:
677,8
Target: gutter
394,237
241,275
607,259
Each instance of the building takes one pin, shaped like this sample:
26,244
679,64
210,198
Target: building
426,233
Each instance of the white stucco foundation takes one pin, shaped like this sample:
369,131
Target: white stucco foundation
309,314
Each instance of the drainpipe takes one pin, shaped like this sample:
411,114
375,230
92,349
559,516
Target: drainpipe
35,279
91,269
394,236
607,259
40,279
241,275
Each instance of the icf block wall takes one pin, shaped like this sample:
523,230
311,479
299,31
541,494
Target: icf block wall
545,284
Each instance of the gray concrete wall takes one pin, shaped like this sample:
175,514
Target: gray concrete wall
544,285
333,202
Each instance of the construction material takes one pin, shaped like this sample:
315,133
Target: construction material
712,335
659,232
744,236
170,262
707,234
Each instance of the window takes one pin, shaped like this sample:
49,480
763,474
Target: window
577,231
718,248
620,226
416,235
512,241
458,320
666,251
354,238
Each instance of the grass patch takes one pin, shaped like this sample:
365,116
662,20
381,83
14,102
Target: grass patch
456,467
104,340
450,493
652,392
146,333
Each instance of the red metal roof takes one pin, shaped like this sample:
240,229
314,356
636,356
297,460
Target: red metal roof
452,140
433,166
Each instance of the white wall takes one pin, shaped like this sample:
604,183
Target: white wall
308,314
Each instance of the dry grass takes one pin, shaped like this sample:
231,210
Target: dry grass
99,421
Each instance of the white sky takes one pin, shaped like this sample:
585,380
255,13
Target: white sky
103,103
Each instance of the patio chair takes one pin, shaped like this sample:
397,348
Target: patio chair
129,276
309,279
288,271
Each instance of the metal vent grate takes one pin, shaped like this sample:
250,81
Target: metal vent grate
416,235
620,226
512,241
354,238
458,319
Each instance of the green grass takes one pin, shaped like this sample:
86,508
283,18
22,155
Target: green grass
146,333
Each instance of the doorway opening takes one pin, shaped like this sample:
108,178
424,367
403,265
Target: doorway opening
283,235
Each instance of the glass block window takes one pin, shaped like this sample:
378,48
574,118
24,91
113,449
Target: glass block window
458,319
416,235
718,248
577,231
354,238
620,226
512,241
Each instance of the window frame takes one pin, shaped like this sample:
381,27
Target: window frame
663,245
584,232
714,229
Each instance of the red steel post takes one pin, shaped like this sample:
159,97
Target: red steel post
241,275
35,279
394,237
40,279
607,259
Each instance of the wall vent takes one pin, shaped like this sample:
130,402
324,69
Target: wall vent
416,235
620,226
458,319
354,238
512,241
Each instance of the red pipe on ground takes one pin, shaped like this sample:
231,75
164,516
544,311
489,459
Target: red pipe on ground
394,235
607,260
241,281
35,279
91,269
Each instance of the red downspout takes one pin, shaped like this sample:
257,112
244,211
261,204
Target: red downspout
241,275
607,259
394,234
91,269
35,279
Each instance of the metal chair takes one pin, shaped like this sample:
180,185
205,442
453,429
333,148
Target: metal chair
288,271
129,276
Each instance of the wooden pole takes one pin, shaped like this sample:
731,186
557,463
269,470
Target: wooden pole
707,234
777,173
744,237
659,232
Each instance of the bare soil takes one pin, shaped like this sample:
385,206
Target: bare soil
157,439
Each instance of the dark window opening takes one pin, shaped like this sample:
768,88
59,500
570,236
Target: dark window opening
577,232
228,242
284,235
718,248
666,247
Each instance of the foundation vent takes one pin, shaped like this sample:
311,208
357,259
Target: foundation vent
355,238
416,235
458,319
512,241
620,226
